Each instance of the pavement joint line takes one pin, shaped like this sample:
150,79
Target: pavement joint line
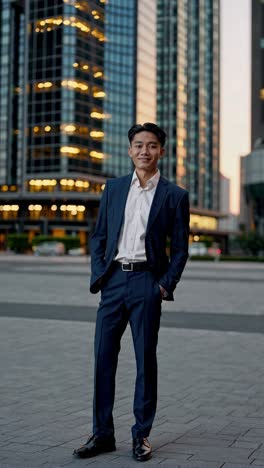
179,319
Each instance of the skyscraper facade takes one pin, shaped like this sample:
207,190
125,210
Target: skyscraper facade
252,165
257,71
82,73
188,37
52,94
12,35
130,76
65,78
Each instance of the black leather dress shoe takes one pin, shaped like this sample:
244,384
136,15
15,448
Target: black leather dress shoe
95,446
142,450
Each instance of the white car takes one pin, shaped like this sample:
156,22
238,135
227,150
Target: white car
77,252
51,248
197,248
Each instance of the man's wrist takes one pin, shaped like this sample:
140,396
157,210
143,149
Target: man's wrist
163,291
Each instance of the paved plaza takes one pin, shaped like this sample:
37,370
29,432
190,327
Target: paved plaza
211,373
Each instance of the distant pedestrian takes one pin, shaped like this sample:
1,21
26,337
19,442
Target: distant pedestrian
138,214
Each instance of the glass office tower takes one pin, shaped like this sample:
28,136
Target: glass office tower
257,72
65,88
188,97
130,76
120,83
83,72
51,115
12,35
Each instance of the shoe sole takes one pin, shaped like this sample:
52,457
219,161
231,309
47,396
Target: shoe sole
148,457
94,454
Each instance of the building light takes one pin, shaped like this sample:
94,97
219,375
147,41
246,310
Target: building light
69,150
97,115
102,187
75,64
203,222
47,128
81,184
54,207
98,74
99,94
44,85
44,182
180,142
81,208
71,84
96,155
50,24
69,182
36,129
35,207
96,134
85,67
9,208
69,128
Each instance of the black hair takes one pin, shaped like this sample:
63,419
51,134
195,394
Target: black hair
147,127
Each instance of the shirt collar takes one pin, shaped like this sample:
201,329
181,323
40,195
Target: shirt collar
151,183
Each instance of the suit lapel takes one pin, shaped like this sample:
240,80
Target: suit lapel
121,202
157,201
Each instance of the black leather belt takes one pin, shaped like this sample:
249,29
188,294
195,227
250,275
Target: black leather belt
133,266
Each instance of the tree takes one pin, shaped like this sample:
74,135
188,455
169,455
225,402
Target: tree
251,242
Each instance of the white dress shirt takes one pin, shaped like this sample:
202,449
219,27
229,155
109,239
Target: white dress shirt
131,243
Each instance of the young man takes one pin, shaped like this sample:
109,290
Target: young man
138,214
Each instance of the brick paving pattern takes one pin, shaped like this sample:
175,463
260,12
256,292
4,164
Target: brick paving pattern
211,383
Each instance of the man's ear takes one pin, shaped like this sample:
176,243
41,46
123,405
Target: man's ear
162,153
129,151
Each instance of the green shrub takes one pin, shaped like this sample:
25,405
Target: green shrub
251,242
241,258
228,258
70,242
18,242
206,258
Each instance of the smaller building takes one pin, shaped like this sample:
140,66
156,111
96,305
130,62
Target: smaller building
252,189
229,221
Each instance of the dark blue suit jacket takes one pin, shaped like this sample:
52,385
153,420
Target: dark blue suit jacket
168,221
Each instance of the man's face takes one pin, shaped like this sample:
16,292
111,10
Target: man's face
145,151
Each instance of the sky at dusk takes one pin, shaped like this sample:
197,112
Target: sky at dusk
235,90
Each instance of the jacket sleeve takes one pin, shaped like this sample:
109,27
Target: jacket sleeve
179,240
99,238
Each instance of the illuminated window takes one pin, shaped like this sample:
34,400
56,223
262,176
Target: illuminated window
73,84
43,86
203,222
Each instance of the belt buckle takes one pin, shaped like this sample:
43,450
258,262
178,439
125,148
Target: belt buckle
129,265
